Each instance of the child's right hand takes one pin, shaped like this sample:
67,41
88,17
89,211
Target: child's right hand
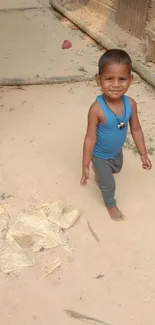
85,177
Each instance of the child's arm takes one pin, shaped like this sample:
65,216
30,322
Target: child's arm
138,136
89,142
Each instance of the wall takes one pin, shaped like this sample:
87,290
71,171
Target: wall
131,15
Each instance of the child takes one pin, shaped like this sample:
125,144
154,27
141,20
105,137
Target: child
108,119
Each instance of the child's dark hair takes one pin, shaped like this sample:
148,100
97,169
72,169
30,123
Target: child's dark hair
114,56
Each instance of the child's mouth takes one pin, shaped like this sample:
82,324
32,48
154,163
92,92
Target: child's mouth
115,92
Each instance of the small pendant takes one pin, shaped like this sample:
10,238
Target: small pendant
121,125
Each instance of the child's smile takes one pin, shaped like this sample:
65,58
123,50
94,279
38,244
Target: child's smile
115,80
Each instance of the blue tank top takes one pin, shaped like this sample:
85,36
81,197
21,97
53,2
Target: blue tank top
110,139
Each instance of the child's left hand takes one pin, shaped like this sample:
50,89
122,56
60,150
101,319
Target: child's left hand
146,163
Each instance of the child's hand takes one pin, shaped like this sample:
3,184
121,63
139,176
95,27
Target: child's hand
85,177
146,163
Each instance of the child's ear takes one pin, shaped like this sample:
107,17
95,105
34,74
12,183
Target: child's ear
131,78
97,77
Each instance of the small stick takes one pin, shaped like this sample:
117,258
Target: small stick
75,314
50,272
93,232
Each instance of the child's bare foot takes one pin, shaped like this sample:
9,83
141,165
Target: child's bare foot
115,214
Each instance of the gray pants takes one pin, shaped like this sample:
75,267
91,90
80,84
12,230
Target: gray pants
104,169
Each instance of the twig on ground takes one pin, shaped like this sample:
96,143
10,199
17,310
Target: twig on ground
75,314
54,269
93,232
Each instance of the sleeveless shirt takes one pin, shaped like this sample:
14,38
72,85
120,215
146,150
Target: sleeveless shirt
110,139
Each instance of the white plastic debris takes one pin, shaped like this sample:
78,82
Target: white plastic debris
12,257
41,229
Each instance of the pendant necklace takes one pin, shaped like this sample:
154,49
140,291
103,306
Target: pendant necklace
120,125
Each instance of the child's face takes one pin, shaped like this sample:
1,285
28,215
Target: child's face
115,80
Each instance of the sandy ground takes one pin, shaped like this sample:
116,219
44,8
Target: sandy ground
41,132
41,136
40,34
12,4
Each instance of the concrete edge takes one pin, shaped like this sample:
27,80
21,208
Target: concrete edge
45,81
144,72
8,10
13,82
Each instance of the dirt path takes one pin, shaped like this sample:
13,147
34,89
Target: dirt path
41,132
41,135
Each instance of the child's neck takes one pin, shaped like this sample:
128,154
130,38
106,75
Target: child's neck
112,100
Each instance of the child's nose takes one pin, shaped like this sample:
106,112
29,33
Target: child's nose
116,83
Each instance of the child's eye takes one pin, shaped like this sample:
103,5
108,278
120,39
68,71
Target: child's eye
122,78
109,78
